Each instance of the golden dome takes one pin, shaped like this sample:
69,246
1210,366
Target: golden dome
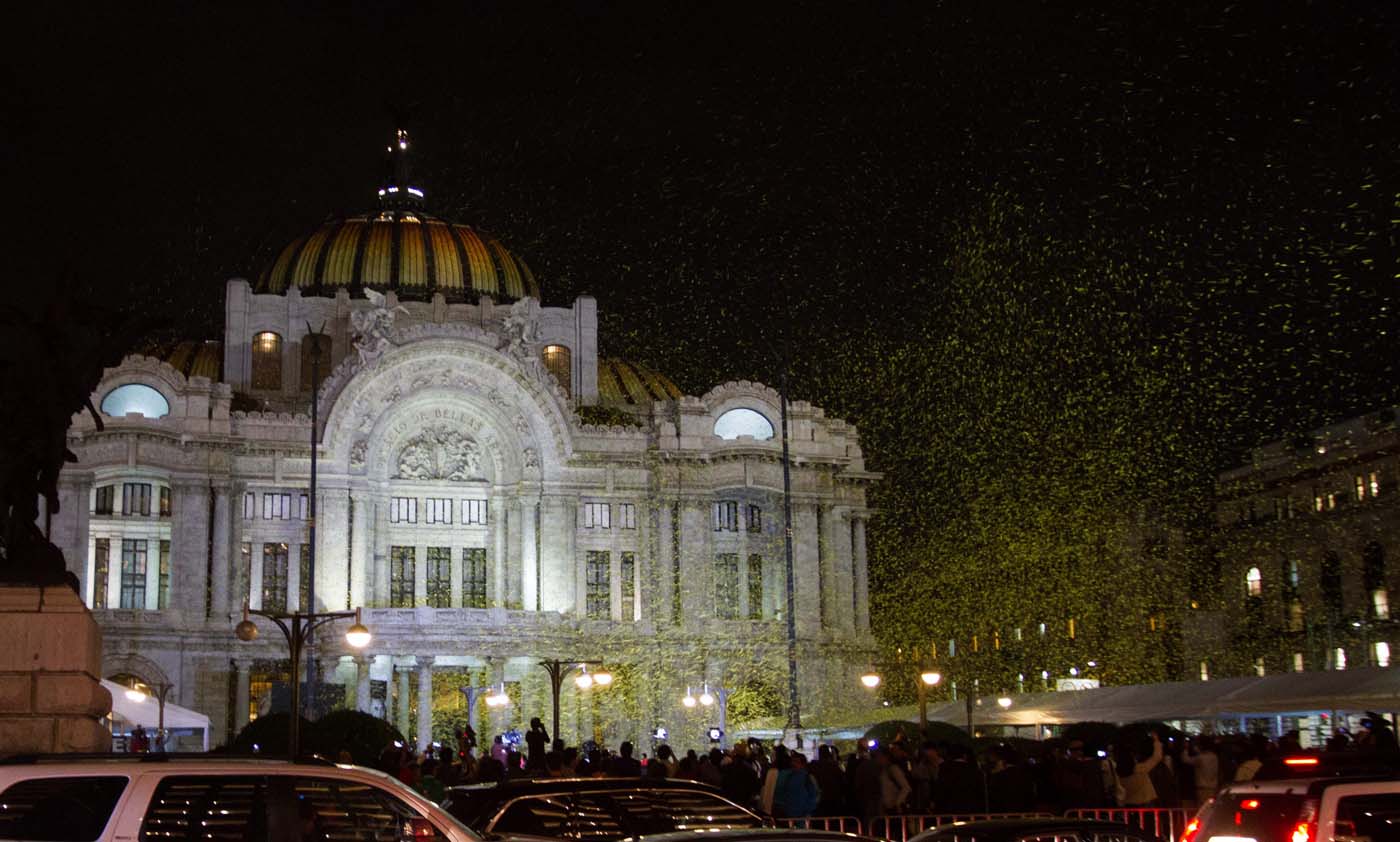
190,357
407,251
624,384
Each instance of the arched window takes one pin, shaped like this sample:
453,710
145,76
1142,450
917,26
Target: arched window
267,361
559,361
743,422
1254,582
137,398
310,345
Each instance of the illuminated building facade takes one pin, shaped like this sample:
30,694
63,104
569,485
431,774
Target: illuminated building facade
491,491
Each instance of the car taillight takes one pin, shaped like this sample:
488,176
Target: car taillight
1193,827
1300,761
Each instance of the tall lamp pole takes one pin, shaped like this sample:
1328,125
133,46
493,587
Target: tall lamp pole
314,336
794,721
297,628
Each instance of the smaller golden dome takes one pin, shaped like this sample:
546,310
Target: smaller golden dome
624,384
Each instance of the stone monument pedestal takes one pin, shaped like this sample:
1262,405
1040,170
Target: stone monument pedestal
51,698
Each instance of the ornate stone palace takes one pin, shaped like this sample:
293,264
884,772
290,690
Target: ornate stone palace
491,492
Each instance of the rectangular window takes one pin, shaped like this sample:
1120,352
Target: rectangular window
1360,485
304,578
727,586
628,572
1339,658
597,516
133,585
1298,662
136,498
274,577
163,572
1374,482
952,648
277,506
403,510
164,501
401,575
1319,501
439,572
102,504
474,512
303,507
438,510
250,505
474,577
1071,628
1380,651
1331,500
755,586
1260,666
598,577
627,513
101,571
755,519
1380,603
727,516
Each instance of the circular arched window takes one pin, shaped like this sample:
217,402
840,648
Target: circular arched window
135,398
743,422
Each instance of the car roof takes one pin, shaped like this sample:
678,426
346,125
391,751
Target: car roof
528,786
1009,826
1305,786
712,832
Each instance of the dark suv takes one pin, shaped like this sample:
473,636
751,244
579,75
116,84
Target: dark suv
598,809
1301,809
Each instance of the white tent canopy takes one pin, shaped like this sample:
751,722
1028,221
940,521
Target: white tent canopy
1296,693
146,713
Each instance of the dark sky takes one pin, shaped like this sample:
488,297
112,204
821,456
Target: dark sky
789,168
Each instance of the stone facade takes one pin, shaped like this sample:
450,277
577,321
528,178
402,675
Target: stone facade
1305,535
463,504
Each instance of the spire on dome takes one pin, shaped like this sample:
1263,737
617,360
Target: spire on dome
398,189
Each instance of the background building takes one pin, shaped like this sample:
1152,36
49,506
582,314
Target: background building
1303,534
491,490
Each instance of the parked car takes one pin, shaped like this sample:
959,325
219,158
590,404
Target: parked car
213,799
594,808
1328,764
1047,829
1354,809
759,834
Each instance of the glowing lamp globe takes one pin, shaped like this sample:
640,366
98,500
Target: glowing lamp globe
602,679
689,701
135,695
870,680
706,698
357,636
583,681
930,678
1004,702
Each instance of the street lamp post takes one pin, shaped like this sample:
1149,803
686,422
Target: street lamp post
720,697
161,690
794,722
927,679
559,670
297,628
314,337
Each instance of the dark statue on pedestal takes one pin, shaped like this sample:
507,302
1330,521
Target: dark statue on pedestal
52,354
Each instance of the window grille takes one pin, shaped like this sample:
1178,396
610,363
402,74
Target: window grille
403,510
474,512
599,593
439,576
474,577
274,577
133,584
401,574
628,572
136,498
101,570
727,586
727,516
597,516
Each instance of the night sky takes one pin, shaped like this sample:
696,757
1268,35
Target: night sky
729,178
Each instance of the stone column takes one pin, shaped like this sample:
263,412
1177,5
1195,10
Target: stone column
697,563
840,580
362,518
529,556
496,592
402,708
219,561
380,576
362,700
389,693
862,579
558,569
425,701
662,580
242,568
806,571
189,548
332,549
241,677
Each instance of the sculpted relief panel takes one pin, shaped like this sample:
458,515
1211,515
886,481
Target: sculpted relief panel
440,453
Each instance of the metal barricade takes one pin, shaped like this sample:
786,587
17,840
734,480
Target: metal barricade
1164,822
902,828
840,824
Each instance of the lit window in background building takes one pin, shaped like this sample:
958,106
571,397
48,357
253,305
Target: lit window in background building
558,361
1259,666
1297,661
267,361
1339,658
1381,650
1375,482
1254,582
1205,670
1071,628
1360,488
1380,603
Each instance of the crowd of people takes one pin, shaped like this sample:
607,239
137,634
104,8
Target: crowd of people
1141,769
